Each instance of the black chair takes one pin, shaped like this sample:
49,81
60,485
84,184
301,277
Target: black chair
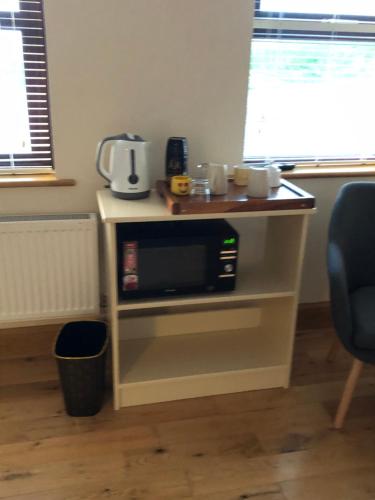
351,271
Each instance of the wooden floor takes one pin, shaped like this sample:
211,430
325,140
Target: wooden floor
263,445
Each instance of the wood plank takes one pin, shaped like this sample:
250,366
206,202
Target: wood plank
267,492
332,453
82,445
264,445
314,316
69,475
27,341
29,369
353,485
162,489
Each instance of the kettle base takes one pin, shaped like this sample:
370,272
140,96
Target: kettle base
131,196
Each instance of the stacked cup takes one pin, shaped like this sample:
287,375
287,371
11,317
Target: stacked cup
218,178
258,179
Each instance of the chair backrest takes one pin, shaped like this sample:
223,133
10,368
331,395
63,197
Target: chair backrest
352,228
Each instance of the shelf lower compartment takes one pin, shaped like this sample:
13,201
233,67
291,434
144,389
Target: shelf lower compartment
194,365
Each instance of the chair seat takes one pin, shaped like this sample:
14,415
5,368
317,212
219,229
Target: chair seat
362,303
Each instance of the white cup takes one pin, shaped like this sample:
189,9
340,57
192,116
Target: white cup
274,176
241,175
230,171
217,178
258,183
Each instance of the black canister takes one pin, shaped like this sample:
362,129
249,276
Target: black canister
176,159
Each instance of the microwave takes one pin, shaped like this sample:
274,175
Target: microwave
176,257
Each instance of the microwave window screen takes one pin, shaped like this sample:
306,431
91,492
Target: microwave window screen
171,267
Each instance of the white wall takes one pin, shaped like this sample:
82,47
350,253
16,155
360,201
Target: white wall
157,68
154,67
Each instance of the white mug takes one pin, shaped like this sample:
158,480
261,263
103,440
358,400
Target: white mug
274,176
258,183
217,178
241,175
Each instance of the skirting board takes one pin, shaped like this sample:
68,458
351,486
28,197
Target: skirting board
37,340
314,316
33,323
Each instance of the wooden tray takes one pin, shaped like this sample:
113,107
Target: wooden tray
286,197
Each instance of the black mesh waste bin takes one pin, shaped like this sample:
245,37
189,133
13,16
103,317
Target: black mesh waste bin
80,351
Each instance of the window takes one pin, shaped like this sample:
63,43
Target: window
25,131
312,75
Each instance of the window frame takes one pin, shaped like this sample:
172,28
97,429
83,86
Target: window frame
265,21
29,20
316,17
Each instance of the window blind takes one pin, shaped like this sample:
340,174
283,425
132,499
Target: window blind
336,20
24,20
311,74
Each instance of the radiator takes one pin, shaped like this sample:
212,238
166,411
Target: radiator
48,267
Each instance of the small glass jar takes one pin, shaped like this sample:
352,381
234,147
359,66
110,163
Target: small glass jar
200,185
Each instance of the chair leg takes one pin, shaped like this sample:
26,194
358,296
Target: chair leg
333,350
347,395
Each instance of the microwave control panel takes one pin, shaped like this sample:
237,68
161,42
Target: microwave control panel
228,258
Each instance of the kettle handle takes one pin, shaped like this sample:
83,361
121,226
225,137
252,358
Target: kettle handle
99,167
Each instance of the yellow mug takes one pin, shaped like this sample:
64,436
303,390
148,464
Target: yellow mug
181,185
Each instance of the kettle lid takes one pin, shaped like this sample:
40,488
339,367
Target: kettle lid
129,137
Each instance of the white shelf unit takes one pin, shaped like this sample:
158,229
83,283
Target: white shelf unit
197,345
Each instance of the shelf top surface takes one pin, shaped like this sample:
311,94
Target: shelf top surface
154,208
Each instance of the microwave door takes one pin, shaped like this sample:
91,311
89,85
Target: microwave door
173,267
165,266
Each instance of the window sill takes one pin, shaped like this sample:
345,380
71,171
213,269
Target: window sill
320,172
36,180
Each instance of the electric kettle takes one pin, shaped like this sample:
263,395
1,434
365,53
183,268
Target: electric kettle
128,166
